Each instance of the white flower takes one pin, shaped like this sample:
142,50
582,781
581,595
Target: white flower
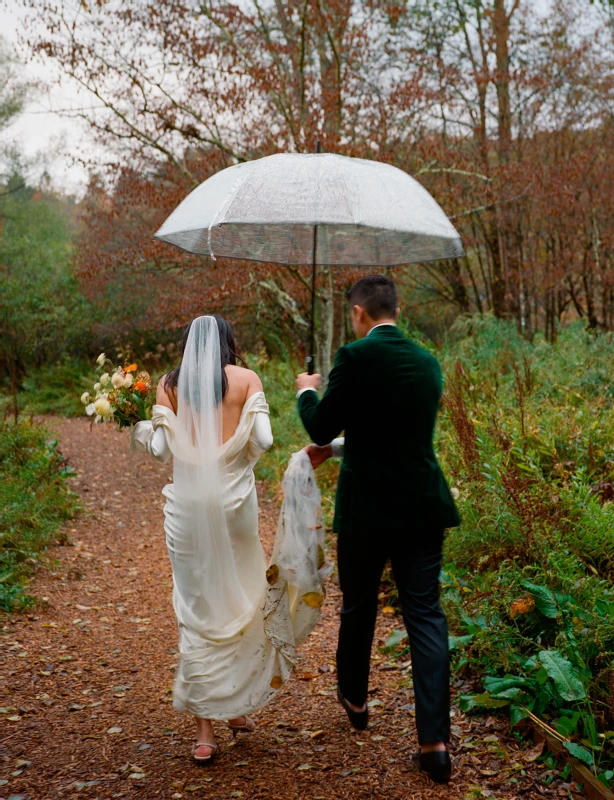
455,493
89,410
85,397
104,378
101,359
128,380
102,407
117,380
97,387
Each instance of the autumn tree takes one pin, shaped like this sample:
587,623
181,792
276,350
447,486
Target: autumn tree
503,113
177,78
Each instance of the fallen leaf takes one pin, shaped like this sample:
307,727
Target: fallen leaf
115,730
534,752
277,682
272,574
313,599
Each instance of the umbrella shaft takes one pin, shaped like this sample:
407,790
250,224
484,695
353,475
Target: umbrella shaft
313,301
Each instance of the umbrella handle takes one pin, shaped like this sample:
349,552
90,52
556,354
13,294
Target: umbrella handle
311,363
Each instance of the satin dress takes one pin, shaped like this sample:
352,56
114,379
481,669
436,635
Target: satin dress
220,675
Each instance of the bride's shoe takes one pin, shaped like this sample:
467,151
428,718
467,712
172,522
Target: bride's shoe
202,760
249,726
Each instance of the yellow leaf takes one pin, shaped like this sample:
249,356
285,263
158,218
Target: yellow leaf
277,682
313,599
272,574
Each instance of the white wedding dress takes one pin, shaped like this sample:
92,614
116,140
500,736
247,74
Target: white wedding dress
239,622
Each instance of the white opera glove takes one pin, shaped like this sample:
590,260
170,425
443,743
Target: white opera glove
147,439
261,437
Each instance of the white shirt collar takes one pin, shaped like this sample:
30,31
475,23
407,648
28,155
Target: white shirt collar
381,325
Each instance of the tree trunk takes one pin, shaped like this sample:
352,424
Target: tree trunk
325,322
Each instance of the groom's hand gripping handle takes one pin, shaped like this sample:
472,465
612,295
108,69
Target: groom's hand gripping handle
307,381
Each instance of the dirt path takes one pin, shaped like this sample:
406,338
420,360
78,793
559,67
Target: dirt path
87,679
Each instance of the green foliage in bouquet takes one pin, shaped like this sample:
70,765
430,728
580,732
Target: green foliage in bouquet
122,394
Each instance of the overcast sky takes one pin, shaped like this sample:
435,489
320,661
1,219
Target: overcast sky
40,129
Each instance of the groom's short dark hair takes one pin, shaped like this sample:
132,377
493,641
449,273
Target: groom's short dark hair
376,294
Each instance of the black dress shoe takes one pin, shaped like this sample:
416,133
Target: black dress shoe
358,719
437,765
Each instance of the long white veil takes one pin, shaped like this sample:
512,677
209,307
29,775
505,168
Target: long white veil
213,604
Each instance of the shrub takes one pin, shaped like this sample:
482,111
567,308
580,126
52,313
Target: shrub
34,501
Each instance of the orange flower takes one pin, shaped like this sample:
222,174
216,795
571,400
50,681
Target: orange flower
131,368
524,605
140,386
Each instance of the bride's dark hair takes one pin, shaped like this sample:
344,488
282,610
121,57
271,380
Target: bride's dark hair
228,354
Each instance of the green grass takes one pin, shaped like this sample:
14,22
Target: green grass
288,433
34,500
54,389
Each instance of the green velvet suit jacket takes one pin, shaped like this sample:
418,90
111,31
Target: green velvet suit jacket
384,392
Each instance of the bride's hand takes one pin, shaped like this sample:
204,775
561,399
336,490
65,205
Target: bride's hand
318,455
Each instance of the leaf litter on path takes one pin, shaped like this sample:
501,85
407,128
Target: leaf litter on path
303,746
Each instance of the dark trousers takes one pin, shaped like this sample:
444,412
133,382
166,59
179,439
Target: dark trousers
416,564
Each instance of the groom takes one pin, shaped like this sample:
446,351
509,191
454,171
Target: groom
392,503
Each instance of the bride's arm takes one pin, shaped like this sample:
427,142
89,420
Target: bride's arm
147,439
262,435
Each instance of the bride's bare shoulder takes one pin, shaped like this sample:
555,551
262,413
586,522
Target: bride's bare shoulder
243,378
166,397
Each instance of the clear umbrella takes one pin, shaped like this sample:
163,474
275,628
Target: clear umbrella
313,209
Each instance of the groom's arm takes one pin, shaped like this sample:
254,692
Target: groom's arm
325,419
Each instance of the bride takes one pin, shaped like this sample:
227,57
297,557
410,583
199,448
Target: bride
239,622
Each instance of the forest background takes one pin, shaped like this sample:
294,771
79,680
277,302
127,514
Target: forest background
503,110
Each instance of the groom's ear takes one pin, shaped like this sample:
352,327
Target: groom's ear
396,313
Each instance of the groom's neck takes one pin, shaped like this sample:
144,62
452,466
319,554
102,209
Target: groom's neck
375,322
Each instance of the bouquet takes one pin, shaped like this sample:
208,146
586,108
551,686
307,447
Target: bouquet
121,394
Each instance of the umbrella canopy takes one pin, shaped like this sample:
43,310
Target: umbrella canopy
366,214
